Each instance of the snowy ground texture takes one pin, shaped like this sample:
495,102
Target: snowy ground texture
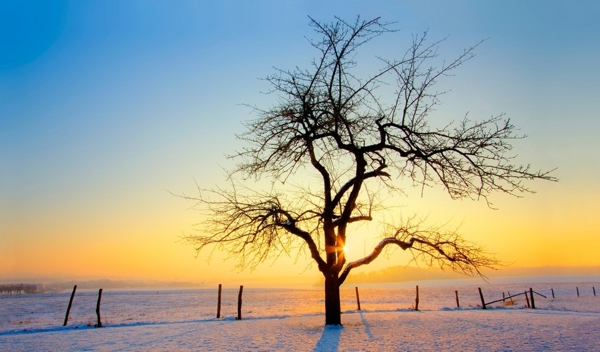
292,320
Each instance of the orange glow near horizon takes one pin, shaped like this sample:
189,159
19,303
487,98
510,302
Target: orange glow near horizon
517,236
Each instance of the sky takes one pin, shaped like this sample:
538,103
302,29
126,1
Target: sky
107,108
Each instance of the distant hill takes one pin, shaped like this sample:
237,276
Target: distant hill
408,273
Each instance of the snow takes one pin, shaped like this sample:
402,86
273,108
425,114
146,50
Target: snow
292,320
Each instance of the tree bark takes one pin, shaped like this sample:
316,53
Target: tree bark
333,311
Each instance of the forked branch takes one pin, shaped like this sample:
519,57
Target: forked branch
252,227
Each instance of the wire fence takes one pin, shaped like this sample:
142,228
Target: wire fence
120,307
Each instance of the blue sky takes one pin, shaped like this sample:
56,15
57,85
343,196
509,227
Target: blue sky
106,105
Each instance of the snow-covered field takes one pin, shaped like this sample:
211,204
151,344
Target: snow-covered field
287,319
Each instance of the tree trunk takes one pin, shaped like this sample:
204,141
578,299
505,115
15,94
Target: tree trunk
333,311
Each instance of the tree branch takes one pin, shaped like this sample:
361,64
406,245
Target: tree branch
431,246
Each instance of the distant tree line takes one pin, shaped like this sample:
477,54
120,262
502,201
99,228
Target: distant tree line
18,289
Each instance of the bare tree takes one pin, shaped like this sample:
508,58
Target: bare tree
355,135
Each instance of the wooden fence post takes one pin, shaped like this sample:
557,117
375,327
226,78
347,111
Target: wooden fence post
70,303
417,299
219,304
577,288
239,316
357,297
457,303
503,298
482,300
532,300
594,289
527,299
99,325
552,292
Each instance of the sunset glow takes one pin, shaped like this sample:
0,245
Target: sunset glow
109,109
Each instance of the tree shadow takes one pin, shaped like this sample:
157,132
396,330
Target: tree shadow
367,327
330,339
